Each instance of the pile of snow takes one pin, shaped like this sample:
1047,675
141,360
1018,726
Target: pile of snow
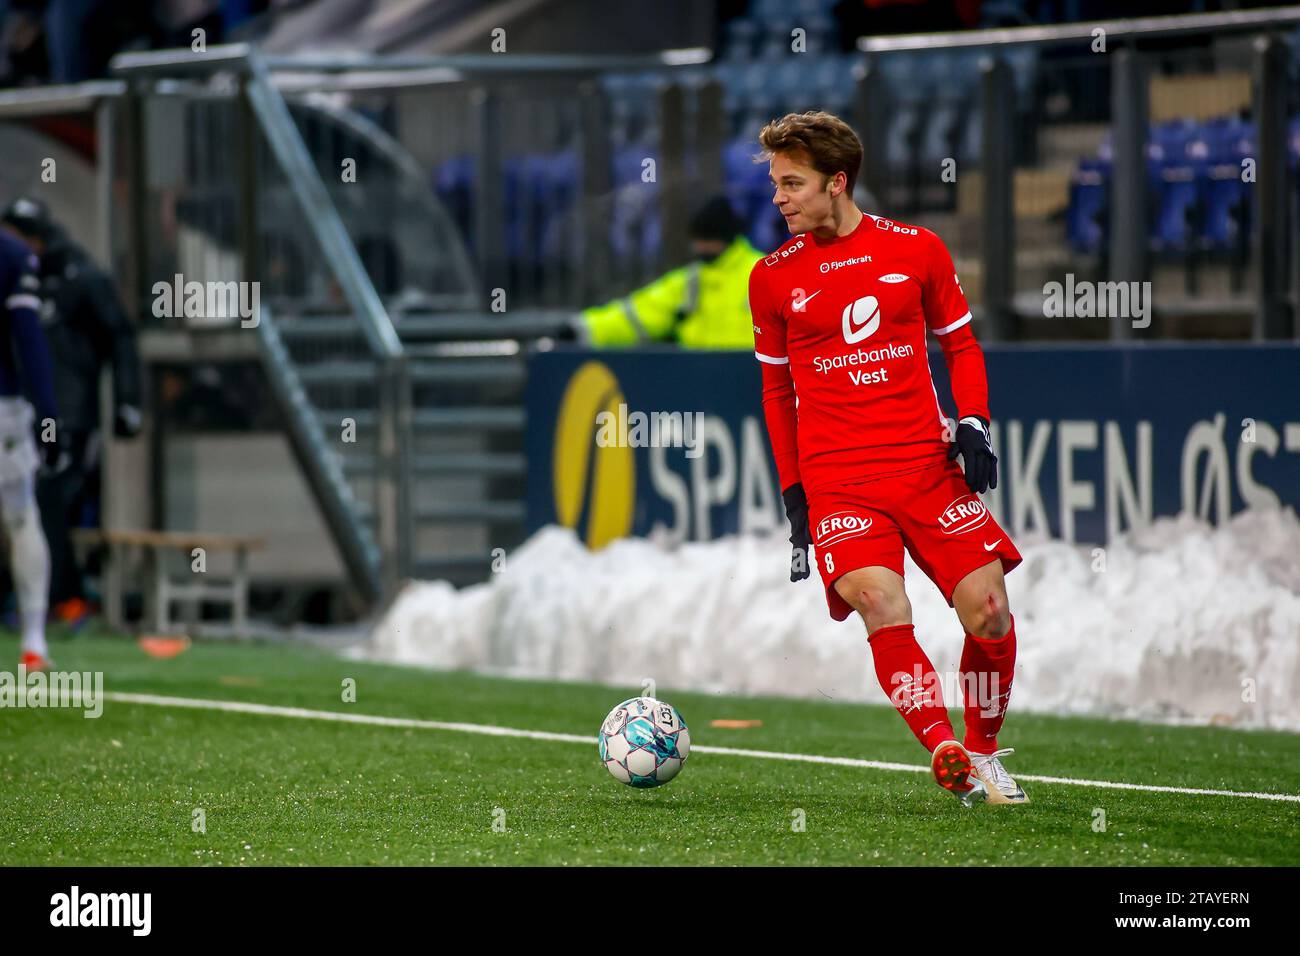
1182,622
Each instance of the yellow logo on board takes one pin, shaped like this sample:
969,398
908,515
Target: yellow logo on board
594,487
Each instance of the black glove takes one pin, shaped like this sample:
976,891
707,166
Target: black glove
126,423
972,440
54,458
796,509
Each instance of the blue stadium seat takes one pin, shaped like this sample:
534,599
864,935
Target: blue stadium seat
953,101
751,193
972,137
762,10
453,182
839,101
820,35
938,73
1024,68
1179,204
807,10
1167,142
561,173
1227,197
902,135
789,76
830,71
634,226
1227,208
522,201
1086,217
1194,170
738,164
741,40
939,139
1174,185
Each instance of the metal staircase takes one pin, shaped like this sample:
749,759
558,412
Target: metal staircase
462,462
408,424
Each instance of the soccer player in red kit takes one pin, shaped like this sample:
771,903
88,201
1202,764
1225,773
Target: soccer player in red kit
864,452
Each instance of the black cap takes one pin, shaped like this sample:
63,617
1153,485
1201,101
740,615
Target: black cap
716,219
29,216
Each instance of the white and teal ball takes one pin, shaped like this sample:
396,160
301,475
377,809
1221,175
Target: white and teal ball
644,742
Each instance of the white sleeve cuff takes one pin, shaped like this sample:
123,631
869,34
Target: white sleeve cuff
956,325
977,422
20,301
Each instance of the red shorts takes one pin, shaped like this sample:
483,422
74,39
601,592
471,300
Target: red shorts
947,530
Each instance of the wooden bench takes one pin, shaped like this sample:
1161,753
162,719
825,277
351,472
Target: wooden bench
165,590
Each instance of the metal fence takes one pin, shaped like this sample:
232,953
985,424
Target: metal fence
1108,151
565,181
1150,151
541,162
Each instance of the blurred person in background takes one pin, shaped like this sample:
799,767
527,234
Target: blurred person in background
67,41
23,57
27,413
87,329
702,305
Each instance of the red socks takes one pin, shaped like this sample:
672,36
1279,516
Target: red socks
911,684
987,666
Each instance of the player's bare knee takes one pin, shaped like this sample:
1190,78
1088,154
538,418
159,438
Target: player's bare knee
883,607
15,517
990,617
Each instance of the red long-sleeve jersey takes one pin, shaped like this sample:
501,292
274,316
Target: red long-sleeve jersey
839,326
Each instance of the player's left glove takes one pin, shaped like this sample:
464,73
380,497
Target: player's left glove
796,509
976,448
54,456
127,421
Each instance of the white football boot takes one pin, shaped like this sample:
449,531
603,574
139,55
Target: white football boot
1001,787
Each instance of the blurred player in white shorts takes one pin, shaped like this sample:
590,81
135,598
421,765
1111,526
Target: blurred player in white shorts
25,371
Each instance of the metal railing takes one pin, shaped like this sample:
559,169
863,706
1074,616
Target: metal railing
539,164
427,477
234,81
1061,132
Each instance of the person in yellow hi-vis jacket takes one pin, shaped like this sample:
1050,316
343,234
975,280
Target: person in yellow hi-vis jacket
702,305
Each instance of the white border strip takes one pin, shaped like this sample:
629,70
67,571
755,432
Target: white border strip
772,359
954,327
269,710
23,301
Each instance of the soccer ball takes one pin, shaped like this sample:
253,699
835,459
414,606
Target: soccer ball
644,742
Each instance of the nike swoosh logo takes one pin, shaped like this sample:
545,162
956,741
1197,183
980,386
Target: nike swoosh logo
803,303
990,547
932,726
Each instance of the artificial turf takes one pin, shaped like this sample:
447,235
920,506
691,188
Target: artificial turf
127,787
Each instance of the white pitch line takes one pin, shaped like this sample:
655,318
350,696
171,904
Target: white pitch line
270,710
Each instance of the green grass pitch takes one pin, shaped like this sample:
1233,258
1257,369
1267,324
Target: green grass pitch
125,788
